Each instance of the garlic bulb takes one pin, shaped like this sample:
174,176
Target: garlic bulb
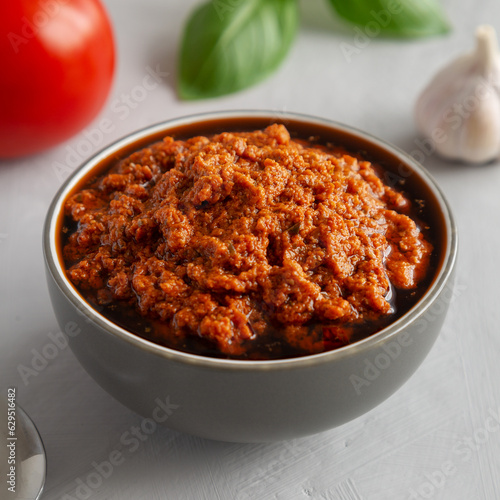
459,111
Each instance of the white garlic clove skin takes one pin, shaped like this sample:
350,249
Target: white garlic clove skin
460,108
480,135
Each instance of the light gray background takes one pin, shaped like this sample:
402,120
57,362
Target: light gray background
421,430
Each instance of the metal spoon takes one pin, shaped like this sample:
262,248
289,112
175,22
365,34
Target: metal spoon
22,459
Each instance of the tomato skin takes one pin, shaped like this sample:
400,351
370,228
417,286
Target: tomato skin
58,60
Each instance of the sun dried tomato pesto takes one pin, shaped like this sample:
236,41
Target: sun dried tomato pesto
246,245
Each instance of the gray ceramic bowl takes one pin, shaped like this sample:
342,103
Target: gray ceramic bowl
252,401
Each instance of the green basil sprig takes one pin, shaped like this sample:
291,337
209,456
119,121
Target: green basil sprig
404,18
231,44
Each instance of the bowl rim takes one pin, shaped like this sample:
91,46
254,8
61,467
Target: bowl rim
57,273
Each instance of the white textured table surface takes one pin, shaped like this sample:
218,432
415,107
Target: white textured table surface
437,437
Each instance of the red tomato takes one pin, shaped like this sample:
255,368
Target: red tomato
58,61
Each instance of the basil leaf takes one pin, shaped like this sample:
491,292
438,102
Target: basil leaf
408,18
231,44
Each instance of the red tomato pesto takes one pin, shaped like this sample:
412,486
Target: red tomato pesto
246,245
